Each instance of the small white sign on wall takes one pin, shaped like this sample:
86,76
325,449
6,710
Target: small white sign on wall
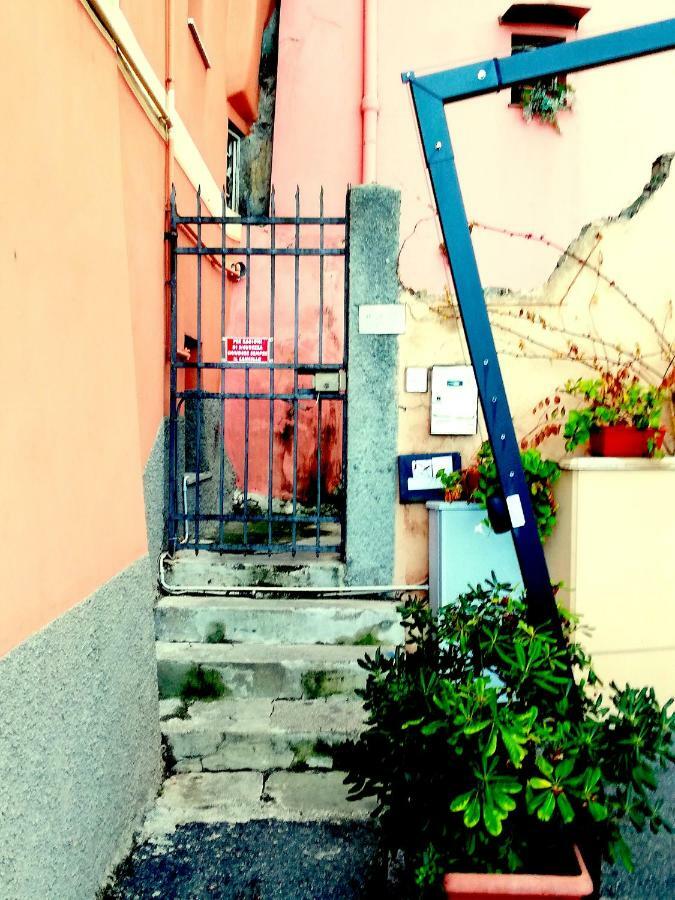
382,318
416,380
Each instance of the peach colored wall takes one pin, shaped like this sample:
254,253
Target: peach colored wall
143,202
82,284
319,89
72,489
633,253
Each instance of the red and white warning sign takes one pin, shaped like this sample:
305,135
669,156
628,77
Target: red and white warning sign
247,349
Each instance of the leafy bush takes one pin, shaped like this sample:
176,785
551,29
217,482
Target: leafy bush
479,756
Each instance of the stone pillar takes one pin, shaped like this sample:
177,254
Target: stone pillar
371,394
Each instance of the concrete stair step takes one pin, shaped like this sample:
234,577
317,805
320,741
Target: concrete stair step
280,671
262,734
277,620
212,797
208,569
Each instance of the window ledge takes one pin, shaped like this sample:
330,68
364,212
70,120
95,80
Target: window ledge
194,31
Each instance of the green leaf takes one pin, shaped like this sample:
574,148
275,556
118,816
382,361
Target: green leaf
563,769
621,853
472,813
492,743
565,807
513,748
539,783
433,727
597,811
492,819
504,801
547,808
544,766
475,727
461,801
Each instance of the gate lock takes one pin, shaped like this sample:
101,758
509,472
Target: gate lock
330,382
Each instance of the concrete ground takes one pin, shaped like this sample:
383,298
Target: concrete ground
263,860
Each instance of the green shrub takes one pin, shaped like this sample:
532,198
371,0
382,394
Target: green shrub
484,756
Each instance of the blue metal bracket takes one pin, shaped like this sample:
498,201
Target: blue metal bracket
430,93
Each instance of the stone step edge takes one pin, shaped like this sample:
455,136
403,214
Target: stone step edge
251,796
291,654
283,602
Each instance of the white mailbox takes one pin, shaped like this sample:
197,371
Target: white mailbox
454,400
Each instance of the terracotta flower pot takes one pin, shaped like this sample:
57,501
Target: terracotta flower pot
477,886
624,440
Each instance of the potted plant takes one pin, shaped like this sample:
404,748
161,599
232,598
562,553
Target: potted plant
490,765
621,416
544,100
479,483
452,485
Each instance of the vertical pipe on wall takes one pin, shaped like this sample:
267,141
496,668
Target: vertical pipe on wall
370,103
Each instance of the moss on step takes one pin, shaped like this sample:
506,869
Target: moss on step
203,684
321,683
216,634
361,639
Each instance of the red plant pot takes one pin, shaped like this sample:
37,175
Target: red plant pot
475,886
624,440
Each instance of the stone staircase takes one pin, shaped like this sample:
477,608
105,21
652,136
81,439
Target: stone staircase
257,695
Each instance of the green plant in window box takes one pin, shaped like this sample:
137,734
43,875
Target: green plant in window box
479,756
544,100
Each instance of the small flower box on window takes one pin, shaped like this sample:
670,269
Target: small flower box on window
544,99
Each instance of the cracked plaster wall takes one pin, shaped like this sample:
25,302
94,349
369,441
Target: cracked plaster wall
633,249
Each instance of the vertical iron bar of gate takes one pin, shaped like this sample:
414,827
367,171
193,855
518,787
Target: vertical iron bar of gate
270,473
345,365
199,400
223,353
173,411
319,399
247,383
296,316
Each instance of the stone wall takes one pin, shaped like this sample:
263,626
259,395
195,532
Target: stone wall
372,415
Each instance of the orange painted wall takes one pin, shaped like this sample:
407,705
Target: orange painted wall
82,299
71,492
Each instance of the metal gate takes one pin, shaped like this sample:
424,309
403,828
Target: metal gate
258,369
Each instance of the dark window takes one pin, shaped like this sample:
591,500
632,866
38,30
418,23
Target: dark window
233,168
521,43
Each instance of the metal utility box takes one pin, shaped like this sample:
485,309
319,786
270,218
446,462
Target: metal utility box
463,551
454,400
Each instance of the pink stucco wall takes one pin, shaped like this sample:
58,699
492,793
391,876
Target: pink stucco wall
522,177
515,176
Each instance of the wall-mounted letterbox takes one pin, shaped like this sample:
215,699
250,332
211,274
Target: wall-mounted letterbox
454,400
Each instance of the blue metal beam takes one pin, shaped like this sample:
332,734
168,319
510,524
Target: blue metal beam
492,75
429,94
